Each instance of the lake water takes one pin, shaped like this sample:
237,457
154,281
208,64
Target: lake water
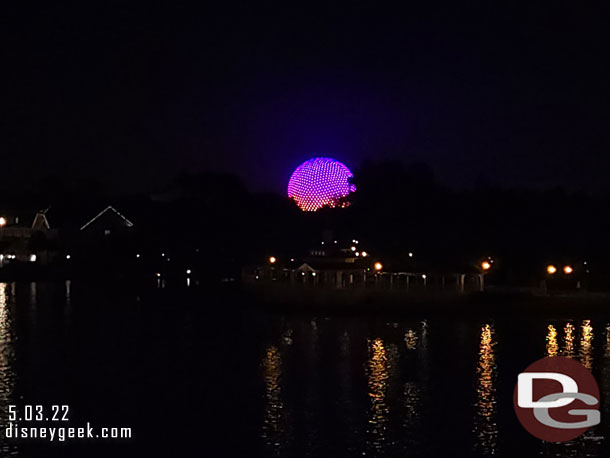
200,373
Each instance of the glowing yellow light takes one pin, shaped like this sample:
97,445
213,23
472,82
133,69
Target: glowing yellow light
551,269
272,259
378,266
568,270
586,347
485,265
2,221
364,254
485,426
568,331
552,347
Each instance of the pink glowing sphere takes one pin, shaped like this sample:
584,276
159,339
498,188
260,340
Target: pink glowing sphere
320,182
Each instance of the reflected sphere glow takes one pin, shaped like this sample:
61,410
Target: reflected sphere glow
320,182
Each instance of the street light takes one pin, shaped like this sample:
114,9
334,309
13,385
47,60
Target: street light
551,269
2,221
485,265
378,266
272,259
568,270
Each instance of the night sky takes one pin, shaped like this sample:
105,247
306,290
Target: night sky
133,95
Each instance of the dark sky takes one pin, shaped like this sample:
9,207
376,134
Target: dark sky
134,94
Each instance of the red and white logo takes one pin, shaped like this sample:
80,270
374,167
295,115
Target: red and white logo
557,399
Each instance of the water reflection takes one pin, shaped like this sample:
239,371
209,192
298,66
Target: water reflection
568,340
411,339
378,387
486,428
552,347
7,373
586,344
68,292
588,444
273,422
412,396
607,347
33,293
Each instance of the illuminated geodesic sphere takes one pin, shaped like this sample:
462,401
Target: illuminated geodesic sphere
320,182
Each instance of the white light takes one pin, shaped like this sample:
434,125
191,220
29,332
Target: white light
158,274
68,256
137,255
313,274
162,255
32,258
335,241
2,220
353,248
291,259
188,271
410,254
364,254
423,276
357,254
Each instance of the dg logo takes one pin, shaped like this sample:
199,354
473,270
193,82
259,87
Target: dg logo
557,399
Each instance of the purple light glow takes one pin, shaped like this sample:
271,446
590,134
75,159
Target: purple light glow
320,182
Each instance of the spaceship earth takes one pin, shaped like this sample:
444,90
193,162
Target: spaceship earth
320,182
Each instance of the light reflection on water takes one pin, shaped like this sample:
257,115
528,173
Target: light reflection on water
399,376
486,429
580,348
351,387
552,347
378,387
586,344
273,422
7,370
411,339
568,340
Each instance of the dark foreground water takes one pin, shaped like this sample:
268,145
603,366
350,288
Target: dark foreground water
196,373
